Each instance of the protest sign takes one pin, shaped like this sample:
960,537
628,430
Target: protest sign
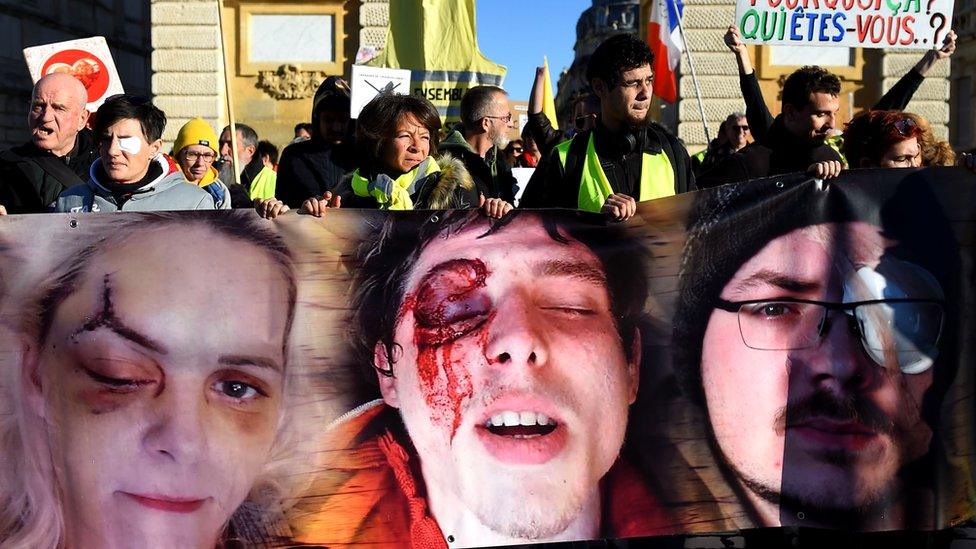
87,59
368,82
906,24
766,356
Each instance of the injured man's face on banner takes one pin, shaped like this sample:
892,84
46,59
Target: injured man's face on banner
513,368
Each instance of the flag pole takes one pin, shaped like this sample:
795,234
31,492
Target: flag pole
230,102
694,75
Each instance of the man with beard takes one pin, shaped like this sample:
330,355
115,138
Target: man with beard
507,358
626,158
480,139
795,141
811,341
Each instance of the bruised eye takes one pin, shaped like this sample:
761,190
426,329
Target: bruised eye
116,384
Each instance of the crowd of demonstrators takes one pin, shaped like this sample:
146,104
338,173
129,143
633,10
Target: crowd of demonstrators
795,140
613,157
626,157
395,137
60,150
315,166
130,174
195,151
481,137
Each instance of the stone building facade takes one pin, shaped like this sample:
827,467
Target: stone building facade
962,133
188,77
124,24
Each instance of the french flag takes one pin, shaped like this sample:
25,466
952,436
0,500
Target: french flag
664,38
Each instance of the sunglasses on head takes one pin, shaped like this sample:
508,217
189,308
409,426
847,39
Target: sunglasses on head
905,126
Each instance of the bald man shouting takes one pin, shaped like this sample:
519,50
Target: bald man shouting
60,150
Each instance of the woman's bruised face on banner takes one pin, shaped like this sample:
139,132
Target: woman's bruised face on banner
509,367
161,389
832,419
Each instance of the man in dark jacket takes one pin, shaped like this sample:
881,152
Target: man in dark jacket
626,158
310,168
60,150
795,141
479,140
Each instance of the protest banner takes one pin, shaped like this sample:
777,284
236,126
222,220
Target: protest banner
751,359
368,82
436,40
88,59
898,24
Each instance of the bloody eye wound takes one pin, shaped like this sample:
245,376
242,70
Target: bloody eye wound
449,303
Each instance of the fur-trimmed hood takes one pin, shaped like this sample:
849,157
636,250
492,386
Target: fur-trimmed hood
450,187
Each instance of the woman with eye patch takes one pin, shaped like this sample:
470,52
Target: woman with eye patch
150,405
130,173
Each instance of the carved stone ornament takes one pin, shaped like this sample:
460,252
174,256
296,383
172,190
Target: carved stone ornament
289,82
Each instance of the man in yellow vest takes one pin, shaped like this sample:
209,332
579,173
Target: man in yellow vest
626,158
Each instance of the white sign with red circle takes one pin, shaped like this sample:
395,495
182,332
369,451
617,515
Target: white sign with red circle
88,59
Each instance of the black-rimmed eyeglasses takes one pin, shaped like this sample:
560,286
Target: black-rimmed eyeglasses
907,330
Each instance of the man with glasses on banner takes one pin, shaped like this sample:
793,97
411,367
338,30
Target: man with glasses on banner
626,158
813,344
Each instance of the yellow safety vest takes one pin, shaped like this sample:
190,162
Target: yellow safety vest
836,142
393,194
263,185
656,178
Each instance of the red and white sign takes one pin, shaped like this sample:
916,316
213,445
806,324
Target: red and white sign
87,59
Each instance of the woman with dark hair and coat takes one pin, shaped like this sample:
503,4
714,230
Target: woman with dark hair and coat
395,136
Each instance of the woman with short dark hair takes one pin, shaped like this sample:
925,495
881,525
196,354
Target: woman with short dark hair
395,136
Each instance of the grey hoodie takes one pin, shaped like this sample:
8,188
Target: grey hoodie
166,192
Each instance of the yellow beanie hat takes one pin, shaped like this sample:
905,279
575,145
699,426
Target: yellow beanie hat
195,132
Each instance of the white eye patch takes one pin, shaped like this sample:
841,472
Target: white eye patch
131,145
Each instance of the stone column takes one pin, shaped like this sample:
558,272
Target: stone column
374,19
188,80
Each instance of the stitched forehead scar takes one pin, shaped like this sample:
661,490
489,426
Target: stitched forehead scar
106,318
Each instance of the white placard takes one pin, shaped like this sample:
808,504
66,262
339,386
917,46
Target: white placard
905,24
522,175
88,59
368,82
291,38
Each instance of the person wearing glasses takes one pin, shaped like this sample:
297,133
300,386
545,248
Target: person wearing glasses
480,141
814,345
895,139
733,136
795,142
131,174
626,158
195,150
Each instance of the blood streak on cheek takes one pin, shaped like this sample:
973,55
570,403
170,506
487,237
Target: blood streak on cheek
447,307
